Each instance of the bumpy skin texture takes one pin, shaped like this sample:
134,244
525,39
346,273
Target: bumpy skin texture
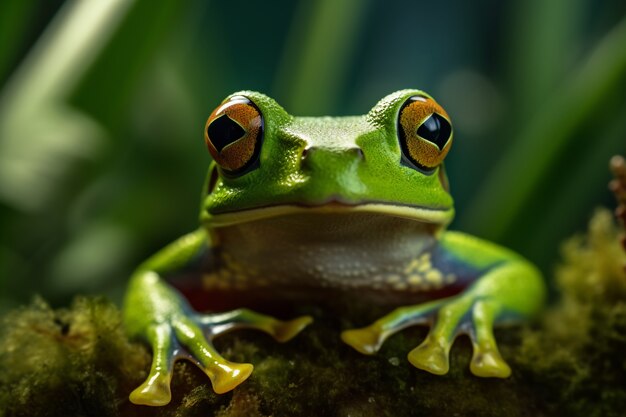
327,205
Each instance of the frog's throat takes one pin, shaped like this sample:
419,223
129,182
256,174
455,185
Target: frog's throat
435,216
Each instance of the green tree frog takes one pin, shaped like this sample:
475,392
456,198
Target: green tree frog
298,207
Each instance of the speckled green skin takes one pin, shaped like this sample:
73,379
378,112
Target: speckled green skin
333,168
347,215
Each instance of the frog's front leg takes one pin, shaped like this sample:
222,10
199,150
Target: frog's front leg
157,313
510,288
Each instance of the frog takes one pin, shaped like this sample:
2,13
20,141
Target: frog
295,208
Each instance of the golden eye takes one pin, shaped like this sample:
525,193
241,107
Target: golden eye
233,134
425,132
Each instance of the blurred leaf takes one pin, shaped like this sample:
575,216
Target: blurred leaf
86,43
105,92
14,22
543,35
39,136
318,54
49,125
509,189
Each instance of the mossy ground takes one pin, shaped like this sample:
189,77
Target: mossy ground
78,362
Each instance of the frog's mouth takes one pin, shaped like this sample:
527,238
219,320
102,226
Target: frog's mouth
434,216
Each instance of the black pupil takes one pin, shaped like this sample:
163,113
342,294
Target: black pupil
435,129
223,131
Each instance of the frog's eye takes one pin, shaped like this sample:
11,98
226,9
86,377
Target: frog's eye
424,132
233,134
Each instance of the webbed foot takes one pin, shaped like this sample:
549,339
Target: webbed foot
448,318
190,337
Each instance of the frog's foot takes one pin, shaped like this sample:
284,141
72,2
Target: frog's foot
449,318
191,338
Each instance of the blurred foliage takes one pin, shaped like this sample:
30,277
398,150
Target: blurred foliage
102,106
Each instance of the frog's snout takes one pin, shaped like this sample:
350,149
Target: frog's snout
337,166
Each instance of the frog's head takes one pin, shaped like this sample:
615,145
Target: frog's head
268,163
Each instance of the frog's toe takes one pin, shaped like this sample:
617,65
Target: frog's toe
243,318
225,376
284,331
486,360
366,340
431,356
155,391
489,364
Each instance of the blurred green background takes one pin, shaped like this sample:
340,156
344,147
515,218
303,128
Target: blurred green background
102,105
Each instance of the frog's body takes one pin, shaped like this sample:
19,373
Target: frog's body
296,208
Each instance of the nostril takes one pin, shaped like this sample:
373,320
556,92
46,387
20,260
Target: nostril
305,152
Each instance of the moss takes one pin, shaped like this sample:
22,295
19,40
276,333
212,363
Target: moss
575,354
64,355
77,361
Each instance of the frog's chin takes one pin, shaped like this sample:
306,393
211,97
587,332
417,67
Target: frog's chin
434,216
